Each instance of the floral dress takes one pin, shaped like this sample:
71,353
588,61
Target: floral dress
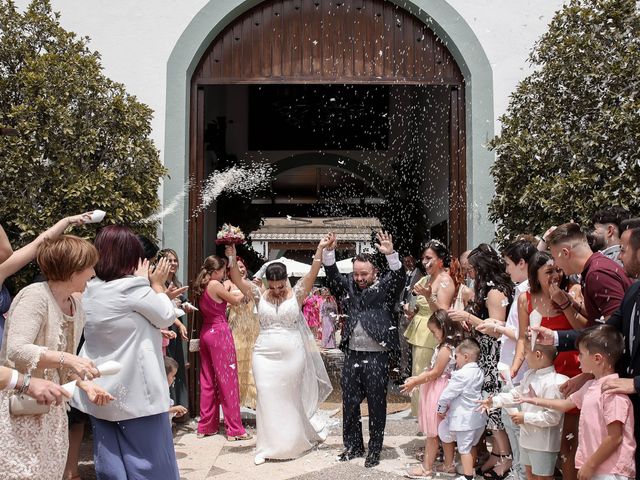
488,363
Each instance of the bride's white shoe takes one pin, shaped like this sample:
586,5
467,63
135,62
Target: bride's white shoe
258,460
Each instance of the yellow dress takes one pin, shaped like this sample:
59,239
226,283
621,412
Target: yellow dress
422,341
245,329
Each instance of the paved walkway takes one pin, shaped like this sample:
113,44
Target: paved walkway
215,457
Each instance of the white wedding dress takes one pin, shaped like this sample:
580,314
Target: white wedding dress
291,382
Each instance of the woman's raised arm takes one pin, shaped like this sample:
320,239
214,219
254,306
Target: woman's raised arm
306,282
245,286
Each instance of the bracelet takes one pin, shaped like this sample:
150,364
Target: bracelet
565,306
14,380
61,360
25,384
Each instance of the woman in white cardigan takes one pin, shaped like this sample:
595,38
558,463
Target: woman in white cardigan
126,307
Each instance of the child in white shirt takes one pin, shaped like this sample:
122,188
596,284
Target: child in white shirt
540,428
463,423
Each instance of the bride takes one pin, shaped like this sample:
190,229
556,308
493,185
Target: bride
291,379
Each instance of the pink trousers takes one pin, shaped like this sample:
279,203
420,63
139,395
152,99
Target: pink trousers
218,381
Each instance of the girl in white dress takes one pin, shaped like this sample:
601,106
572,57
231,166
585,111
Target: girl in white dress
291,379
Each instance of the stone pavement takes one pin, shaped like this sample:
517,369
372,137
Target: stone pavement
215,457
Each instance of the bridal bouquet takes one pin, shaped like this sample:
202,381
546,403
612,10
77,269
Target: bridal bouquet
230,235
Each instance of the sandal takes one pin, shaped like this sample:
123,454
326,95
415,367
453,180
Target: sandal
203,435
418,471
480,471
446,471
237,438
492,475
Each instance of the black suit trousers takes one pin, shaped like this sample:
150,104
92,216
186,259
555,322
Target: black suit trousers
364,375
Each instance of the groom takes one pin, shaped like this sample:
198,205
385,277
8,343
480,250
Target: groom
369,336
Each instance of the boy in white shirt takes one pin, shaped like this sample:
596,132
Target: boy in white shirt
463,422
540,428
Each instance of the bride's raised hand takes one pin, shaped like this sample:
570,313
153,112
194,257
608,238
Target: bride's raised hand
326,241
230,251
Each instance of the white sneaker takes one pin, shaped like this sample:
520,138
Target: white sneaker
258,460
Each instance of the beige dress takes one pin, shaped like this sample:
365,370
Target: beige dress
35,446
245,328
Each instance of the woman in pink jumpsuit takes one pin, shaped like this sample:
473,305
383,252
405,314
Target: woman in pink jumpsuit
218,374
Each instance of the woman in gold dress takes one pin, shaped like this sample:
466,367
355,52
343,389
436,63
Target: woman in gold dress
434,291
245,328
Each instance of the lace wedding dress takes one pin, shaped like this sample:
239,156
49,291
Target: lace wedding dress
291,381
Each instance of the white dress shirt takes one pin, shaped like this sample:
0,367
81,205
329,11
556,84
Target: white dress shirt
460,399
542,428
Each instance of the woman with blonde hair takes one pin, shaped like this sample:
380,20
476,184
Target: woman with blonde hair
176,346
245,327
42,332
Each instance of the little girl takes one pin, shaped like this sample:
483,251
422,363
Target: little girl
433,381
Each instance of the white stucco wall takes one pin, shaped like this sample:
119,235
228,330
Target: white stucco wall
143,43
136,38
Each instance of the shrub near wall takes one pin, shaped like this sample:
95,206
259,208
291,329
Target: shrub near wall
570,140
82,142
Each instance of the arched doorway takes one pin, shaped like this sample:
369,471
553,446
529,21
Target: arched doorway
331,42
297,43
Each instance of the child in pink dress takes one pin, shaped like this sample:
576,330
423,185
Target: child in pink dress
606,445
432,382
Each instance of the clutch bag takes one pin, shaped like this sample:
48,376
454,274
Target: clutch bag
194,345
25,405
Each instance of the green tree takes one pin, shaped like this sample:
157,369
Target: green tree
83,142
570,140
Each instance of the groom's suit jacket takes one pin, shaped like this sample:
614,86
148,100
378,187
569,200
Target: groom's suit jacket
373,306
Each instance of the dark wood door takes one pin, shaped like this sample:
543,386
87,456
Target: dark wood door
327,41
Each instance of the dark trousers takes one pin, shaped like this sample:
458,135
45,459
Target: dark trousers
364,375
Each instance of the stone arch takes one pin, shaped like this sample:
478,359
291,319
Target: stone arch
337,162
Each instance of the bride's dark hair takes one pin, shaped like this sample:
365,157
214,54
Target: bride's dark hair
276,271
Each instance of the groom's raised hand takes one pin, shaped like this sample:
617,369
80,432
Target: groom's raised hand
385,243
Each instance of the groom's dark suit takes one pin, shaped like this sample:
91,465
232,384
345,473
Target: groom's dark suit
366,369
626,319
